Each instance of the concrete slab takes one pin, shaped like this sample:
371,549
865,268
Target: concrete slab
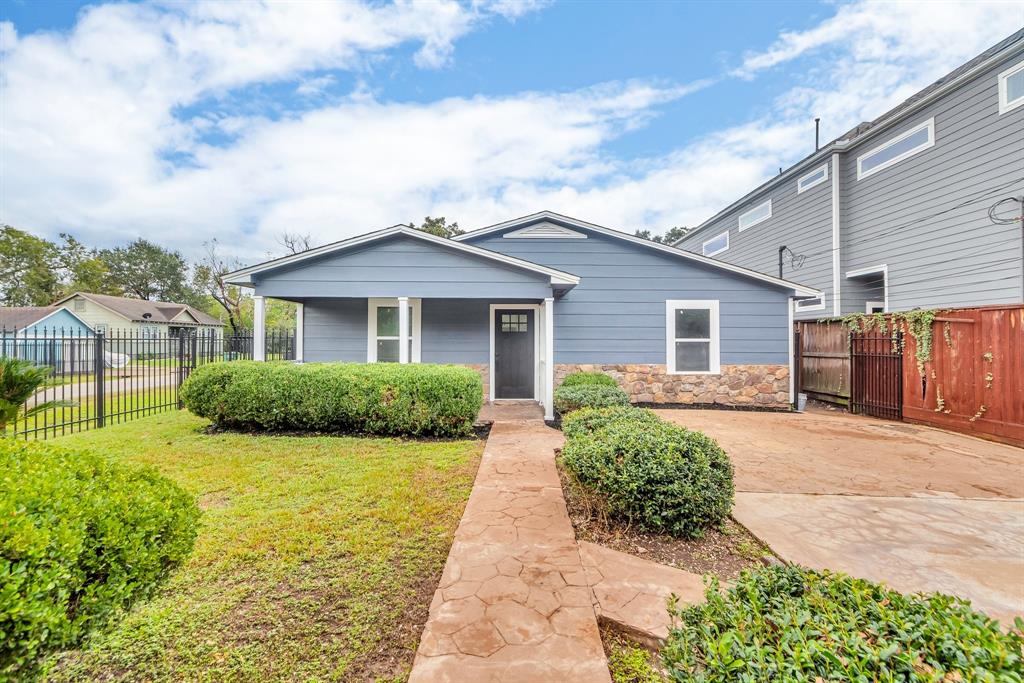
970,548
493,411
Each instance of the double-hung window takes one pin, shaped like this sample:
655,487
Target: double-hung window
382,343
692,333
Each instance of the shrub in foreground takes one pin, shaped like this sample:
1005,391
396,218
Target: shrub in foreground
373,398
793,624
577,379
661,477
81,538
568,399
587,421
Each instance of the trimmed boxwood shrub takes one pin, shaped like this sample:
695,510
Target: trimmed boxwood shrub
81,538
374,398
661,477
794,624
576,379
568,399
586,421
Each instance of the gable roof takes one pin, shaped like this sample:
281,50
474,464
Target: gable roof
243,277
798,289
145,311
866,129
20,317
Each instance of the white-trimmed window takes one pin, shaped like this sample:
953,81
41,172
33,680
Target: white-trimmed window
716,245
79,305
382,341
814,304
758,214
1011,88
903,146
815,177
692,332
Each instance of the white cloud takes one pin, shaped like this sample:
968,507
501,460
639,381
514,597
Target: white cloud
94,139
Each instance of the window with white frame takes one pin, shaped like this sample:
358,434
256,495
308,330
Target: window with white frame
79,305
815,177
692,333
1011,88
903,146
813,304
758,214
716,245
383,331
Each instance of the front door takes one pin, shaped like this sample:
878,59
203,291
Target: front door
513,353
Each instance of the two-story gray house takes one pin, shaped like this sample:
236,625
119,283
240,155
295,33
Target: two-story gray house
894,215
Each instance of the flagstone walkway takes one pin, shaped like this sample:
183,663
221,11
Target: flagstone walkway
513,603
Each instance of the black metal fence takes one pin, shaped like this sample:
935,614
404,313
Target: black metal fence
101,379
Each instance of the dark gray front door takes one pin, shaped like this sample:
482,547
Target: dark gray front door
513,353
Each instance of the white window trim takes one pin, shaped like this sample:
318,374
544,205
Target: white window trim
703,247
538,364
868,305
929,125
800,187
882,268
805,305
371,326
1004,104
714,352
739,220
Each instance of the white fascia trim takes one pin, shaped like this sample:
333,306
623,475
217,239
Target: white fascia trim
870,270
792,353
1004,104
928,125
714,352
703,246
538,380
372,304
801,188
244,276
762,219
800,290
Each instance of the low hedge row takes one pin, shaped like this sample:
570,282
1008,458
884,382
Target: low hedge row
794,624
658,476
379,398
576,379
81,538
568,399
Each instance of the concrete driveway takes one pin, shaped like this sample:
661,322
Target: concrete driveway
918,508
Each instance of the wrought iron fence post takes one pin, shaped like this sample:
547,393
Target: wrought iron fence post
99,379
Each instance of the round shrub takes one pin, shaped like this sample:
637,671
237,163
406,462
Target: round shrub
577,379
794,624
663,478
81,538
568,399
370,398
586,421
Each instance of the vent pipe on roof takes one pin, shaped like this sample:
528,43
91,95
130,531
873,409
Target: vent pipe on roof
817,132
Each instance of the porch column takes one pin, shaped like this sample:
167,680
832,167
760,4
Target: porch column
299,325
403,329
259,332
548,309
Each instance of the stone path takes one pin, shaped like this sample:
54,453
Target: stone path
514,602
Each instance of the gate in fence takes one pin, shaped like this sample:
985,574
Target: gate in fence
876,374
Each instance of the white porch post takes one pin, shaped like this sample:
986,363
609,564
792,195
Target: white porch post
403,329
259,332
299,325
549,358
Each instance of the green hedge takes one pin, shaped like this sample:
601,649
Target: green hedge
659,476
378,398
81,538
793,624
576,379
587,421
568,399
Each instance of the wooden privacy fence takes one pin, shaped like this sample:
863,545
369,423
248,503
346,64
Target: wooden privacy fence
973,381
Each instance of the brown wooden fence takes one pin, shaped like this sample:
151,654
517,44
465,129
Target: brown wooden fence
974,382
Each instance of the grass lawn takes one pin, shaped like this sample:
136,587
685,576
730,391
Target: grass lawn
316,560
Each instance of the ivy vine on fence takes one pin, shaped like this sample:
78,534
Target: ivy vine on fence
918,324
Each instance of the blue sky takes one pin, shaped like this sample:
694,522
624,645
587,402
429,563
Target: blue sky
182,122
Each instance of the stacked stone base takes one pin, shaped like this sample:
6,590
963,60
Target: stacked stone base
749,386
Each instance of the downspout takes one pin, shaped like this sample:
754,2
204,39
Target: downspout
836,261
782,250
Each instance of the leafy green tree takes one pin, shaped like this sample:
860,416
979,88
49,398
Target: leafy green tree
208,278
28,269
82,269
440,227
671,236
148,271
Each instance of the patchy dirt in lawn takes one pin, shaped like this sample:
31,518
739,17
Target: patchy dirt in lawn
723,552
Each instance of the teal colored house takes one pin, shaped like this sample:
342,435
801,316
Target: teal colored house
47,335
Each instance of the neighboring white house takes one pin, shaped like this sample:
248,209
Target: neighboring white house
148,319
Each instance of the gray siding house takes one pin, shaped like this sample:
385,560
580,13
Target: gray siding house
894,215
530,300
